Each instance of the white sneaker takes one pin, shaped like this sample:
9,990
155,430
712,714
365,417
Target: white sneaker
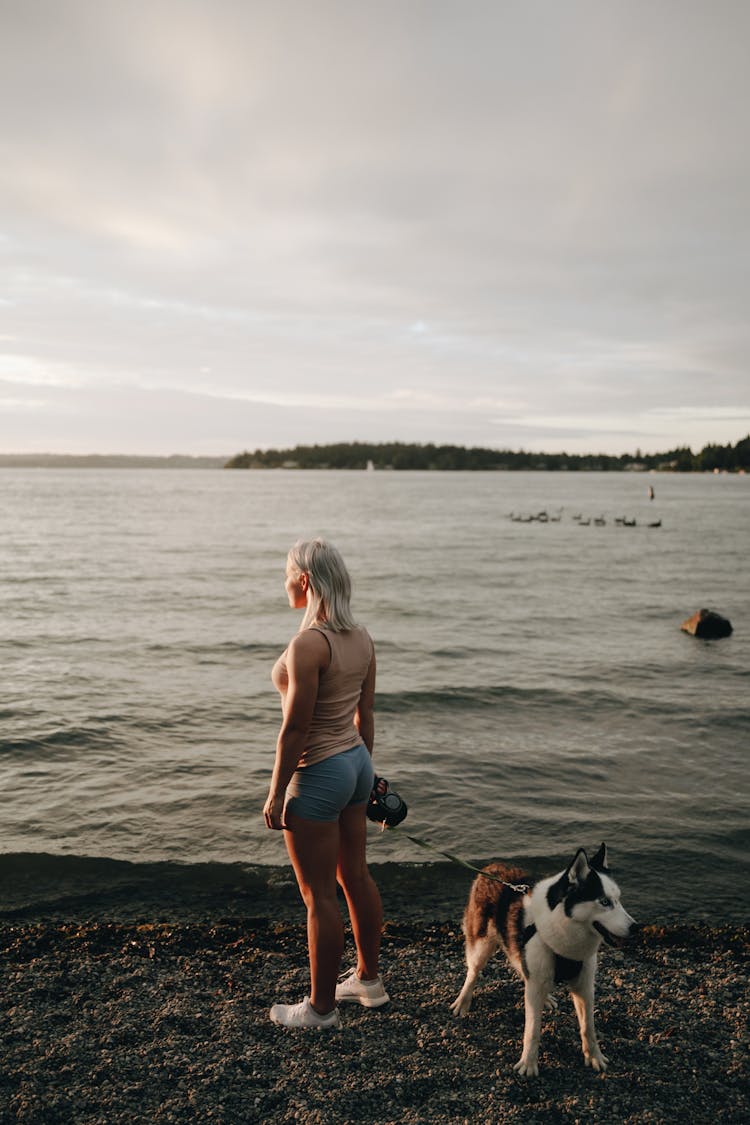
369,993
304,1015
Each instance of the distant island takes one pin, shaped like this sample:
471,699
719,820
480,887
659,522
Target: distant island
403,456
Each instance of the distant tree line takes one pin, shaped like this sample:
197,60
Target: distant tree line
399,455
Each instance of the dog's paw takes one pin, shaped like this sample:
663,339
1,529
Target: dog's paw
527,1068
461,1007
596,1061
551,1004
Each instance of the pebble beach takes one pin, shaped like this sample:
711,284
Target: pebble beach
134,1012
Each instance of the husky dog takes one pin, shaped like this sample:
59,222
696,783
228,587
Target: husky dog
550,932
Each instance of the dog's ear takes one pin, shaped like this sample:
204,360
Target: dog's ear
579,868
599,862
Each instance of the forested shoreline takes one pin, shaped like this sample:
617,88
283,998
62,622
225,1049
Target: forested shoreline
405,456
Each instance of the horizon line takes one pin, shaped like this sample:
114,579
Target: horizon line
639,451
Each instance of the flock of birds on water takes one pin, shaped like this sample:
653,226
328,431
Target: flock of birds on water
579,518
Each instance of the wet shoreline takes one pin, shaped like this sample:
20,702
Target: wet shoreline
39,886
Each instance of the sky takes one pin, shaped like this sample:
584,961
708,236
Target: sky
228,225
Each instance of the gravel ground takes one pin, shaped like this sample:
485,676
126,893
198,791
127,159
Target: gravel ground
142,1022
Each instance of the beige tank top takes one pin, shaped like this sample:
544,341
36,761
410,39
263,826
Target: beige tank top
332,728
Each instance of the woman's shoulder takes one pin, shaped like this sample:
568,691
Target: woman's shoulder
307,638
309,644
358,632
366,634
362,640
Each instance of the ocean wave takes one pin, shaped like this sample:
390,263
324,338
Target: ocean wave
73,738
135,728
476,698
50,640
583,702
723,718
271,651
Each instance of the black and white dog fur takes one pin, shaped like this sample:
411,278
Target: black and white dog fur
550,933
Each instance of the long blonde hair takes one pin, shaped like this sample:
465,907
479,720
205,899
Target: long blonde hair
330,587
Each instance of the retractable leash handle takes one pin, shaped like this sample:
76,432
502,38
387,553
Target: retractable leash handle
386,808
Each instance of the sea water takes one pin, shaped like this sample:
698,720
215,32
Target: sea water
535,692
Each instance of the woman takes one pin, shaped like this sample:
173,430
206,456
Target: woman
322,779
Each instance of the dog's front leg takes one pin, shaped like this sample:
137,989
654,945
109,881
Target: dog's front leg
583,999
534,996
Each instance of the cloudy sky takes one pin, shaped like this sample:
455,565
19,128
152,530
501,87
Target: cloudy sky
256,223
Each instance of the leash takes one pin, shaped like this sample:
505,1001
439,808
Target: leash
519,888
394,813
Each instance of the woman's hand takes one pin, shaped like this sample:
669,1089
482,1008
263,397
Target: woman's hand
273,811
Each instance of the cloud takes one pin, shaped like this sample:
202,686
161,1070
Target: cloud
358,209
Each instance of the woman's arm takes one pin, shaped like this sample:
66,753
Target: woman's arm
365,716
307,656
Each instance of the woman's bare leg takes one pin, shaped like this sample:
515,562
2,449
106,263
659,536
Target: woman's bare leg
362,895
313,847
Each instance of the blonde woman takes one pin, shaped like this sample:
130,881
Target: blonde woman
322,779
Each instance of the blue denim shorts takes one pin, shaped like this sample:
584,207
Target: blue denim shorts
321,791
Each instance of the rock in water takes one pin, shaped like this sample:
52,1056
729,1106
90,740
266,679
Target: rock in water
707,624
